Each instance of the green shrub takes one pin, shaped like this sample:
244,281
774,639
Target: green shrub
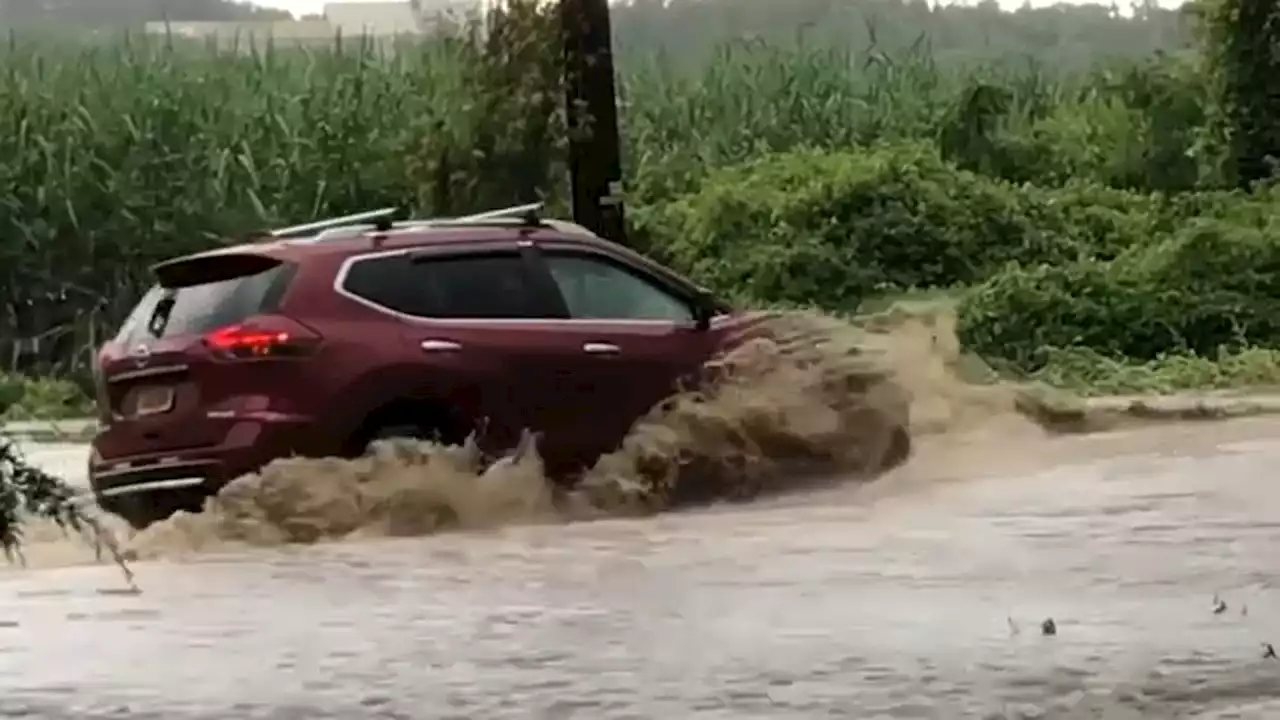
830,229
12,390
23,398
1105,221
1211,286
1086,372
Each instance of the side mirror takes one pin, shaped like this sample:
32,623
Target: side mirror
704,308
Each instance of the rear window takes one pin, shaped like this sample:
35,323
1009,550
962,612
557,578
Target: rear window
201,308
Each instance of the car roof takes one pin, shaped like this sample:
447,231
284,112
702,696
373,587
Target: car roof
296,250
410,237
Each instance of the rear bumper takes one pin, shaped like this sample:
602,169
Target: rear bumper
247,446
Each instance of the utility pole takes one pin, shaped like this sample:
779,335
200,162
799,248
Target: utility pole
591,108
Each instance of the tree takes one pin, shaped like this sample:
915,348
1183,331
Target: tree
1241,43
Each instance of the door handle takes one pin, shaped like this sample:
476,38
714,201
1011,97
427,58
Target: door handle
601,349
440,346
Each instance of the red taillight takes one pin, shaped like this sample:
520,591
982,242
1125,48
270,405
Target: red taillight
253,341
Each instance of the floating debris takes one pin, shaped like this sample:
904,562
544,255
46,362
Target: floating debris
1013,627
131,590
1048,627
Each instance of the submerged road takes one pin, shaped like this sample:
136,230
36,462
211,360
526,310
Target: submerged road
920,596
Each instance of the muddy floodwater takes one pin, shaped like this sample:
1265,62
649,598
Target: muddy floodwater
917,596
411,585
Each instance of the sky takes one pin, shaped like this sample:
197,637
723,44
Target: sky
304,7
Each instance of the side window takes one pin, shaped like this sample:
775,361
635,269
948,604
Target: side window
596,289
489,286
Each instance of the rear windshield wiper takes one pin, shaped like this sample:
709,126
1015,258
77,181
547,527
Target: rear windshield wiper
160,316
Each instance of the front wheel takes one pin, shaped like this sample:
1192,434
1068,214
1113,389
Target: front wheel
396,432
143,510
899,450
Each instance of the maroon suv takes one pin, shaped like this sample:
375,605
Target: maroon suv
323,338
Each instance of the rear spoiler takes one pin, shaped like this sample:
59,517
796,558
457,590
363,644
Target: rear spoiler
211,267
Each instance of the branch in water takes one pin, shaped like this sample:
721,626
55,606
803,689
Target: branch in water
27,491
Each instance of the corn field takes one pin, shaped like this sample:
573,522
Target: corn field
119,155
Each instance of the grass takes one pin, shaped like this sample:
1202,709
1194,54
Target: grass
27,398
1084,373
1090,374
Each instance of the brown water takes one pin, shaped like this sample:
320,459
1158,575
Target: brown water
915,596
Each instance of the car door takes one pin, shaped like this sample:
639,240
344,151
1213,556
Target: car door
636,336
476,325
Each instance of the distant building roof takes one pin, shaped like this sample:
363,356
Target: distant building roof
277,29
379,19
373,18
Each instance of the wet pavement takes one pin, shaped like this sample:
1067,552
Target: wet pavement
919,596
67,460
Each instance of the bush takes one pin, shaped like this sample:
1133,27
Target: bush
1213,286
1086,372
23,398
1103,220
830,229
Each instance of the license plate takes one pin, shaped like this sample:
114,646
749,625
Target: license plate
153,401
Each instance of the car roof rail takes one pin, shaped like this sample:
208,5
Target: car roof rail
530,214
345,231
349,226
319,226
